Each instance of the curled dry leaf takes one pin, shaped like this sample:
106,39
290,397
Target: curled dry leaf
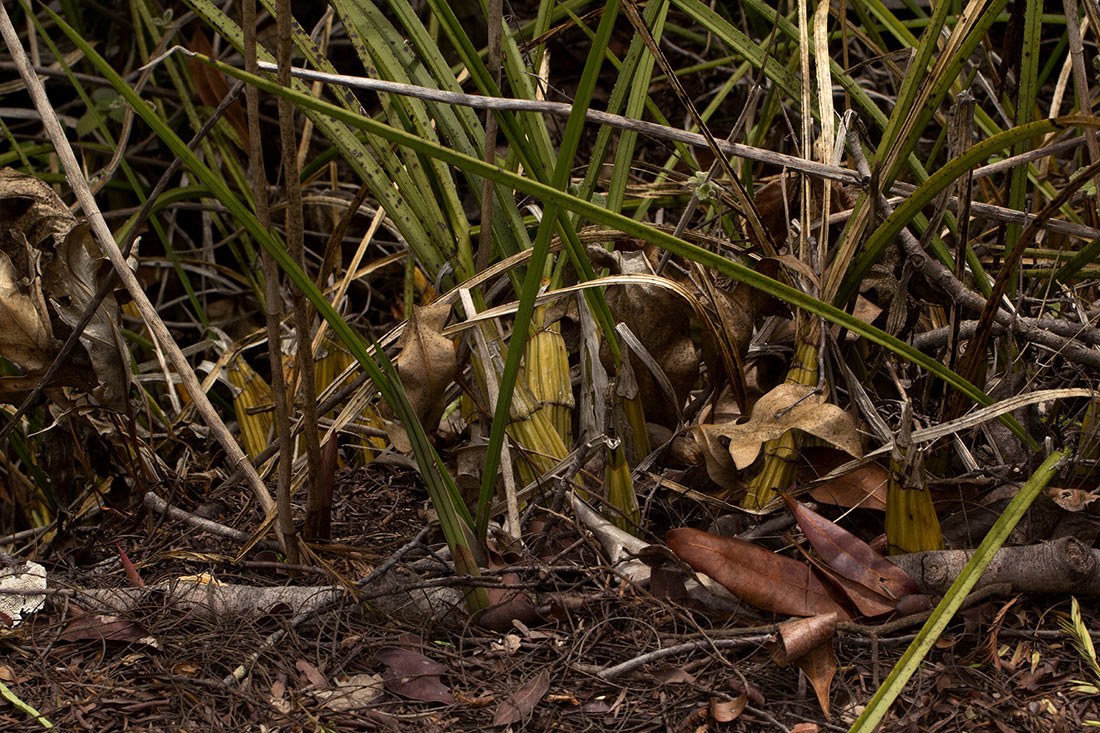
50,269
727,711
716,458
70,280
758,576
798,637
426,365
661,320
1072,500
787,407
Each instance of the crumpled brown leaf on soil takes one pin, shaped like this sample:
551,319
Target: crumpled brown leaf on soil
50,269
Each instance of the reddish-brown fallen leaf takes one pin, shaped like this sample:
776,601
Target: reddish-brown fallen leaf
864,487
850,556
758,576
412,675
507,604
863,598
819,666
520,705
212,87
106,628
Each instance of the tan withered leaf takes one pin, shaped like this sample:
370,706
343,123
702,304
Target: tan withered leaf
758,576
25,334
427,361
727,711
55,262
787,407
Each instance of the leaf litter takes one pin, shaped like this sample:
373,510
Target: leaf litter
406,654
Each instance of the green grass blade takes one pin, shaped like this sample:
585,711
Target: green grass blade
453,515
427,242
1025,106
677,246
880,704
939,181
535,268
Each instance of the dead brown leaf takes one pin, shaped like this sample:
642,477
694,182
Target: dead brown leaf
850,556
798,637
808,644
865,487
520,705
787,407
92,627
312,673
25,332
426,365
351,693
50,270
726,711
412,675
661,320
758,576
212,87
819,666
